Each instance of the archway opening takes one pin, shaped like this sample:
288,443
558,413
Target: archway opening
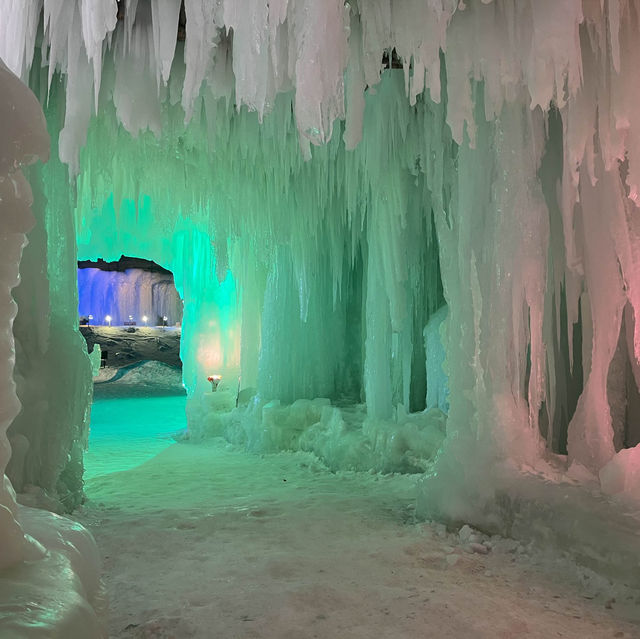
130,316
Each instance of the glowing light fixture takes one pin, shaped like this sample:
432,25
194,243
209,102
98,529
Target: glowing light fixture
107,319
145,319
164,320
215,380
89,318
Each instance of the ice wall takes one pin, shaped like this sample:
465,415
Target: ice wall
23,138
134,292
496,170
52,368
43,557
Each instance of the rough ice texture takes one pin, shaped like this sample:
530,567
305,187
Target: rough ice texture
498,171
43,558
52,368
56,591
23,137
437,378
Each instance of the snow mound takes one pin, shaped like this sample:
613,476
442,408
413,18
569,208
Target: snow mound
154,373
146,378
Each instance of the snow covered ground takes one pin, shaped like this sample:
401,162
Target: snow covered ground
203,540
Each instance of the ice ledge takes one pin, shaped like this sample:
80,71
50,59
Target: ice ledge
56,593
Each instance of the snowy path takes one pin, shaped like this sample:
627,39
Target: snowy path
204,541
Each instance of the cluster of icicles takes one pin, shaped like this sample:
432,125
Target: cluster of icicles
327,52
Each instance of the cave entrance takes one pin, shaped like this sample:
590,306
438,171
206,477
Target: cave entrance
131,312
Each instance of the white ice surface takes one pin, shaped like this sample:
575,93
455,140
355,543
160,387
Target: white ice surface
205,540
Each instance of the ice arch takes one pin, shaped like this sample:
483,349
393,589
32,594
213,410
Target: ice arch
210,322
322,196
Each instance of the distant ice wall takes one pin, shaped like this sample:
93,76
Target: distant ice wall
53,371
134,292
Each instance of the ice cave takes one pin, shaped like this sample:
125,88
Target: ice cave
359,354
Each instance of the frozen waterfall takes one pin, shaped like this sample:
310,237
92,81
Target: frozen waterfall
132,293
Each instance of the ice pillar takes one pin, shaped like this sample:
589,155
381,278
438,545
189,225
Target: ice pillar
23,137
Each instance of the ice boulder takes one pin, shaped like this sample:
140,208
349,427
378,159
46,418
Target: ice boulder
621,475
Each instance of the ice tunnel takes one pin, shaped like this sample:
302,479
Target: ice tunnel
404,234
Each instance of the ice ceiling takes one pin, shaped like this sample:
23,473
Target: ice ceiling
318,208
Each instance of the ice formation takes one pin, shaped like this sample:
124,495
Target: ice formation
321,178
53,560
132,293
23,138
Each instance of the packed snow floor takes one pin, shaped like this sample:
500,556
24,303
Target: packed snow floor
202,540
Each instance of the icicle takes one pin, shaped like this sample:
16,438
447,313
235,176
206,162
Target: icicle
318,45
201,40
99,18
165,28
78,100
131,7
355,82
18,26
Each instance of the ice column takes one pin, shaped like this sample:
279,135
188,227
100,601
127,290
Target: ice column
52,367
23,138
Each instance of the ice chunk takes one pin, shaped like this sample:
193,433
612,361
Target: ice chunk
621,476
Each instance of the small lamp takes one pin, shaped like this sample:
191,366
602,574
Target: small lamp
215,380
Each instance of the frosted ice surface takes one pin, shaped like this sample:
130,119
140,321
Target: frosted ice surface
96,360
621,475
437,379
23,137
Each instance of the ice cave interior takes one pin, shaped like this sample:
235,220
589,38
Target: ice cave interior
402,238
